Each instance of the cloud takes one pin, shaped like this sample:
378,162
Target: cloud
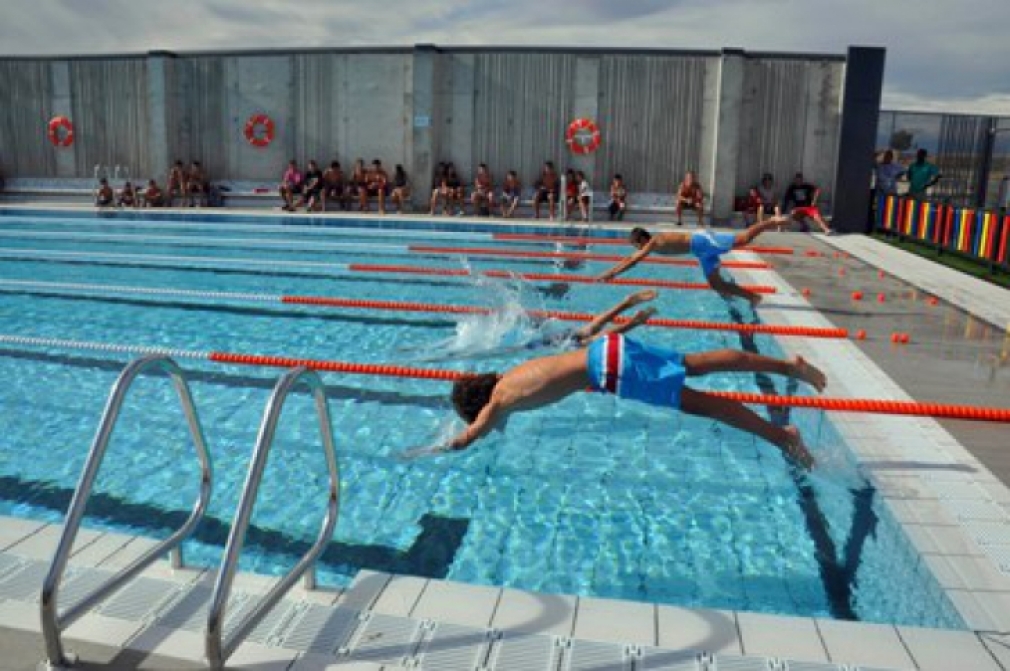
938,54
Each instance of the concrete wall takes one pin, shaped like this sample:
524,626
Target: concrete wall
728,115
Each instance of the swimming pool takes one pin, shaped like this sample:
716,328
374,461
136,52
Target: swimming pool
593,497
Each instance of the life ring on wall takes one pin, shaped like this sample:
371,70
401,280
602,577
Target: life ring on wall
582,137
61,131
252,130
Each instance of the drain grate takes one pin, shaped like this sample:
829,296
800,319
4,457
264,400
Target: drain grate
139,600
83,583
450,646
384,639
24,584
321,629
591,655
658,659
525,652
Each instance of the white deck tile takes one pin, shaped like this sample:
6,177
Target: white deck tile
942,540
22,615
999,646
364,589
314,662
457,603
967,573
261,657
916,511
400,595
697,630
535,613
104,547
946,650
176,643
615,621
94,628
42,545
785,637
864,644
994,605
15,529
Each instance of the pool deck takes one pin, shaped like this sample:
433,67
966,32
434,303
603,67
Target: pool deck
945,482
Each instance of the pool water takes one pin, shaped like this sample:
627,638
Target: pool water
590,497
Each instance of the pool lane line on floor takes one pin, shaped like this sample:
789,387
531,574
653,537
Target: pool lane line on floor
317,247
547,277
876,406
408,306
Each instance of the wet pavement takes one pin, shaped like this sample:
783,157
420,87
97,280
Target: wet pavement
951,357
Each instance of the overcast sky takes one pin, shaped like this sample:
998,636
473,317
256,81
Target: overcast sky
941,54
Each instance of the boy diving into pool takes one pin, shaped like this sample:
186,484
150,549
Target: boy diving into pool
706,245
613,363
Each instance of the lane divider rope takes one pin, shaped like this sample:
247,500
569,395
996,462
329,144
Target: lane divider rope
585,256
876,406
583,240
546,277
410,306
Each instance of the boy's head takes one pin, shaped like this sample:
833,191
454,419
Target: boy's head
639,236
471,394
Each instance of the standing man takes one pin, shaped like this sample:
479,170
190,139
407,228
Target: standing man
801,202
921,175
887,173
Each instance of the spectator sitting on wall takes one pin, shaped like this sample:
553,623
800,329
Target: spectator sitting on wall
153,195
127,196
585,195
801,203
483,192
887,174
313,191
571,193
176,183
454,188
358,181
334,187
769,198
921,175
292,183
104,197
548,189
440,188
375,186
690,197
400,193
196,183
752,206
618,198
511,191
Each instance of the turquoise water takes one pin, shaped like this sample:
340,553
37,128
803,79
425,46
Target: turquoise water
592,497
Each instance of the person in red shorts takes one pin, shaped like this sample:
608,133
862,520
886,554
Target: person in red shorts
801,203
690,196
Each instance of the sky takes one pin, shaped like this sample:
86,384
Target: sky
941,55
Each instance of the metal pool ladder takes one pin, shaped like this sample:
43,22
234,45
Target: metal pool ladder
220,646
53,621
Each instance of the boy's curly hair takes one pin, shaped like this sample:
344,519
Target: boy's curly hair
471,394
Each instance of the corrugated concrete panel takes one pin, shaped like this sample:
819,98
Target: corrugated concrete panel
25,87
522,105
651,111
109,100
195,114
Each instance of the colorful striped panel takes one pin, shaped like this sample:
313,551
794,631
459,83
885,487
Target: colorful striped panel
1002,255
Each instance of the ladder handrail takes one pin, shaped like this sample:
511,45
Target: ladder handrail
54,622
218,647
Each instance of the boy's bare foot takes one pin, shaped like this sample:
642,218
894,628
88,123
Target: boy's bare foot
809,373
795,449
755,299
643,296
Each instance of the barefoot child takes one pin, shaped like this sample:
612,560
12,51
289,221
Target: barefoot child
707,246
613,363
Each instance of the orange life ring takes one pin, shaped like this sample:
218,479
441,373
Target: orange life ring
64,139
252,130
582,137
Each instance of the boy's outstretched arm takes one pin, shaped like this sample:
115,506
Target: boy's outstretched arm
481,425
628,263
